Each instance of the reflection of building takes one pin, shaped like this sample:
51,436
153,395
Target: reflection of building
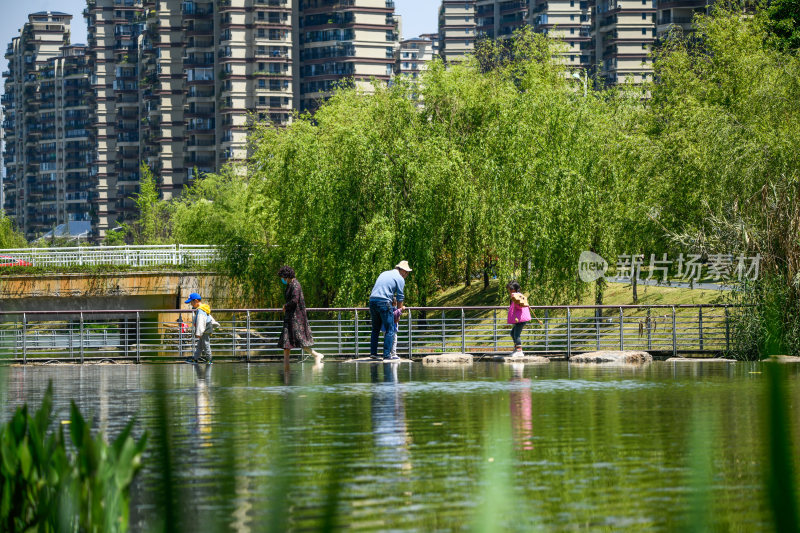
47,107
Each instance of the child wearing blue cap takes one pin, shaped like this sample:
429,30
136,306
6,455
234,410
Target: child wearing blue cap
204,325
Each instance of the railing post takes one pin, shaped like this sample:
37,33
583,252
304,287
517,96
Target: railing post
24,338
139,337
700,325
674,335
546,330
410,335
597,322
727,329
621,330
569,332
339,331
248,335
463,332
233,333
82,341
444,334
180,336
494,328
356,335
649,330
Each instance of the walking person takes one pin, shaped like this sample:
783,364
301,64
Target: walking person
388,287
203,325
296,332
519,314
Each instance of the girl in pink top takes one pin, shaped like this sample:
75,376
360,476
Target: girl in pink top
519,314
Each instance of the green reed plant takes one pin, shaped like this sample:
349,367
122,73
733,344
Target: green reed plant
46,487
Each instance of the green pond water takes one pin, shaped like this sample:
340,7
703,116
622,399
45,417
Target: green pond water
555,447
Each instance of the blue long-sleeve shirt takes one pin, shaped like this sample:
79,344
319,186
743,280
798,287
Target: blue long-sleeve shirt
389,286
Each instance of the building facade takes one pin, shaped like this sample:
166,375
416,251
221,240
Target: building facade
47,127
173,84
415,54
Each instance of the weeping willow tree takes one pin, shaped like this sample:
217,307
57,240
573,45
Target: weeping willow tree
509,167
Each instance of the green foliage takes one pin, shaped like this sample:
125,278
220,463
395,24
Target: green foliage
724,123
496,163
153,226
10,237
783,23
47,488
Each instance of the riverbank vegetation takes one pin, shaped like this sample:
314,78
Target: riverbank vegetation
49,485
501,164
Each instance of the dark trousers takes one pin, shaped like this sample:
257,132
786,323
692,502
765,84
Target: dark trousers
516,333
381,313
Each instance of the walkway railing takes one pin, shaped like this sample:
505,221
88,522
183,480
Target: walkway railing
133,256
252,334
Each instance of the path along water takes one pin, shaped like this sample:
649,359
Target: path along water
415,448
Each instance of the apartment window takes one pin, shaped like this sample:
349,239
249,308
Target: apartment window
572,17
644,31
262,100
261,32
261,67
644,16
262,50
262,83
572,58
571,3
260,15
466,19
572,31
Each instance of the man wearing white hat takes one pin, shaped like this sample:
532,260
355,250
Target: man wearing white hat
388,287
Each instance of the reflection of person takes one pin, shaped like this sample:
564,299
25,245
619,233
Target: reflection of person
389,426
519,314
203,373
521,408
204,325
296,332
388,287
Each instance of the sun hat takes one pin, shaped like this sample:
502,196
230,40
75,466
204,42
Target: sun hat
403,265
193,296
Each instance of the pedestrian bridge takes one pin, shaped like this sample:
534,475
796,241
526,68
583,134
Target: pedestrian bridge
85,335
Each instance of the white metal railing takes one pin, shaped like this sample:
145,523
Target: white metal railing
252,334
133,256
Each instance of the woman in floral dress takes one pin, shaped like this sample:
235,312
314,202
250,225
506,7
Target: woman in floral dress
296,332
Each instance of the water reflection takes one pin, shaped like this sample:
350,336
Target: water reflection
389,426
203,406
521,408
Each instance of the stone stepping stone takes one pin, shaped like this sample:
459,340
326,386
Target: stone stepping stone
611,356
699,360
381,361
452,358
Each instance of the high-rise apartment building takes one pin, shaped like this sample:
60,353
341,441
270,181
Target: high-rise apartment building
497,20
416,53
174,84
678,13
610,39
457,29
47,128
624,33
570,21
344,39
